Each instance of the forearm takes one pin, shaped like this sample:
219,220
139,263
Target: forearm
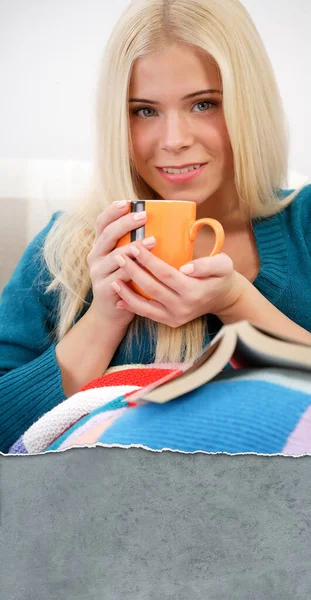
86,351
253,306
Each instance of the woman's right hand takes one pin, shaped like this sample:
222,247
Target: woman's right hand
111,225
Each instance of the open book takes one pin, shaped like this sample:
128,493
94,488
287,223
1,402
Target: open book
241,344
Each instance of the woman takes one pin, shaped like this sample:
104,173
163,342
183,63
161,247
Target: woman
67,313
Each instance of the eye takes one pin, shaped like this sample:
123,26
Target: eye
206,104
136,111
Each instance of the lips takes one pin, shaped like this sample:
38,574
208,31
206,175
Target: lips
181,166
181,177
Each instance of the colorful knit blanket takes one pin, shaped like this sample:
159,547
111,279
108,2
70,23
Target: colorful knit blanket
112,389
264,411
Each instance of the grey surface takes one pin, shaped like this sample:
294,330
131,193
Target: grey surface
116,524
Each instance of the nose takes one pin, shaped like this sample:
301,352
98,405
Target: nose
176,134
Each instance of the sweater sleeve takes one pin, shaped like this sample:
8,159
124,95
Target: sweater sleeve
30,378
306,215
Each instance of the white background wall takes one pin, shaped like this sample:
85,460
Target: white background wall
49,58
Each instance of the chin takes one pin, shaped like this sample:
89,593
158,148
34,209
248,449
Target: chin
186,192
187,195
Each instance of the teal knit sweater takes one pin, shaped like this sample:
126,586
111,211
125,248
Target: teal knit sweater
30,378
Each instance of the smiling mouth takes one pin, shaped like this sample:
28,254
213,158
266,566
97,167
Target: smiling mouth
181,176
182,169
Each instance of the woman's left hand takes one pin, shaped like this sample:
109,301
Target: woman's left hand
213,287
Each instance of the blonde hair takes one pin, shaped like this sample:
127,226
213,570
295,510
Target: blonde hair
255,122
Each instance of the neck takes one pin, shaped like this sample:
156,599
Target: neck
224,207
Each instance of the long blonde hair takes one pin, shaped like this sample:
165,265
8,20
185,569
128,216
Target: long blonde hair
255,122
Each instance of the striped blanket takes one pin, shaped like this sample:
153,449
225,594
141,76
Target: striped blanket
264,411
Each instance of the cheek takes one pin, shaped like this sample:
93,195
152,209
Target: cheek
216,136
220,146
225,141
141,141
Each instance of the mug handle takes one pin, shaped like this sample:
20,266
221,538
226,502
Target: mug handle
218,230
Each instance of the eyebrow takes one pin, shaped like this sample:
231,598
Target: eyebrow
193,95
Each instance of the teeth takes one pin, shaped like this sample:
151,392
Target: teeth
185,170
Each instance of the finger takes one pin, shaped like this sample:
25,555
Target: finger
109,238
170,277
110,214
153,287
118,275
136,303
106,265
122,304
101,279
102,286
131,250
219,265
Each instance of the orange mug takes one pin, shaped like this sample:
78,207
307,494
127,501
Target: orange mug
173,224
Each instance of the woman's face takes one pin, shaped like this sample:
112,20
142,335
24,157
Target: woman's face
171,129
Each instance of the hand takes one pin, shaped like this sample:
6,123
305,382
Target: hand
213,286
112,224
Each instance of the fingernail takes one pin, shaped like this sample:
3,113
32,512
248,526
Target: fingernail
120,260
187,269
150,241
135,251
139,216
121,203
115,286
